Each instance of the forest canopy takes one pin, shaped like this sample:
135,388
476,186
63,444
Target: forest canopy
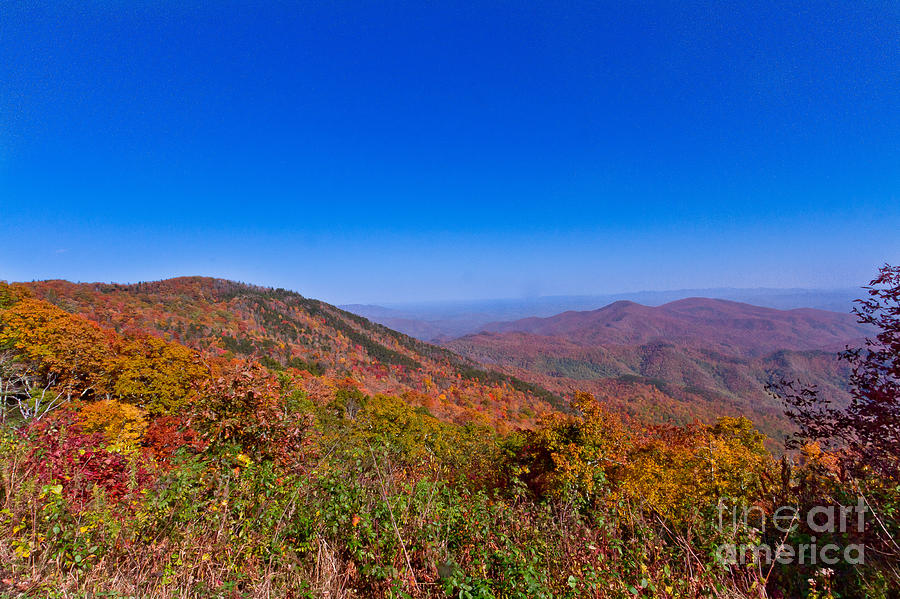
156,461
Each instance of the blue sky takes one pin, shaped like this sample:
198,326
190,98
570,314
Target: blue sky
387,151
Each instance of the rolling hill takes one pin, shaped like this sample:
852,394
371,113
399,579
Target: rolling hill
286,331
443,321
689,359
704,357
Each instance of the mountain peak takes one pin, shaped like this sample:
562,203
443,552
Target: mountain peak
715,323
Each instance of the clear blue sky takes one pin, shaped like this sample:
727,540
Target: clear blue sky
386,151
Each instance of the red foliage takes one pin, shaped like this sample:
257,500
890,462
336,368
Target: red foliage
244,406
168,433
64,453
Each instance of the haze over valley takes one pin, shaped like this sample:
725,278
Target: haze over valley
437,321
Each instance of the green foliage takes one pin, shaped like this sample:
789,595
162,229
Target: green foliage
271,364
238,345
314,368
240,478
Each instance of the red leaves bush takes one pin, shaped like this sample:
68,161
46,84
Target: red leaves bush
244,406
62,452
166,434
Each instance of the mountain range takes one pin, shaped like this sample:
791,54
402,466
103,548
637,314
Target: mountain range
702,356
689,359
721,325
442,321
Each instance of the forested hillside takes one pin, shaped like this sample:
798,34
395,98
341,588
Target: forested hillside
204,439
288,332
702,357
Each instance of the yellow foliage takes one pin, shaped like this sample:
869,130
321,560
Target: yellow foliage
662,474
675,471
121,423
581,453
81,358
158,376
387,420
678,472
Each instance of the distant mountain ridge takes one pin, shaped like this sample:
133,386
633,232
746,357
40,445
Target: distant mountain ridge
722,325
442,321
711,356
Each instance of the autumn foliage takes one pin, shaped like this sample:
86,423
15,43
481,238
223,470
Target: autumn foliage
268,445
90,468
70,350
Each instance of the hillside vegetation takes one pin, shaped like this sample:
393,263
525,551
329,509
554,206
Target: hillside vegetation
202,438
287,331
703,357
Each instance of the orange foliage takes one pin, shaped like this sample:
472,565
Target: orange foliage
11,294
69,350
244,407
166,434
122,424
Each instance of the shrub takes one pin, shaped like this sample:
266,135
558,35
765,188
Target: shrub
64,453
158,376
122,424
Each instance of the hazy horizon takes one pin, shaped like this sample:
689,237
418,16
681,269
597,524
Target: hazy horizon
447,302
601,294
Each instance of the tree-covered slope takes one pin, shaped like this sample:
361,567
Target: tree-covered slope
285,330
705,358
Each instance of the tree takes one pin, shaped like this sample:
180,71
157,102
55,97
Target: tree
852,454
68,350
12,294
243,406
33,396
577,455
868,429
158,376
